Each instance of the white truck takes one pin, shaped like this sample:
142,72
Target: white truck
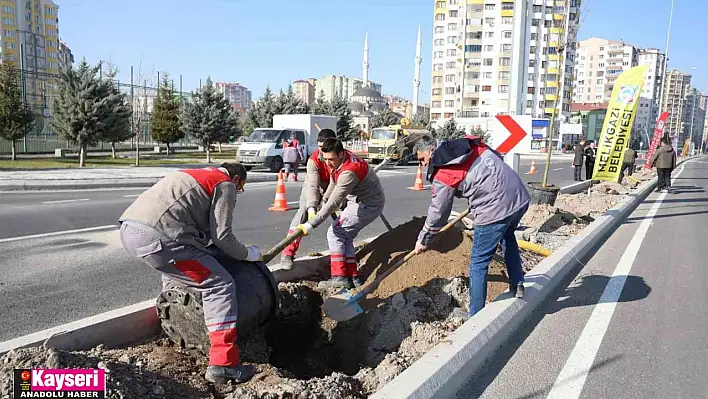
264,146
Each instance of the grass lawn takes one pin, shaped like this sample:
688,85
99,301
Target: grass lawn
226,154
91,162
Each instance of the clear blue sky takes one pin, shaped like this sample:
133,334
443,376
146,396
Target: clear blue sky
259,43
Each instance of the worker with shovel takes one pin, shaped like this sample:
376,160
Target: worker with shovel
316,183
169,226
353,181
497,198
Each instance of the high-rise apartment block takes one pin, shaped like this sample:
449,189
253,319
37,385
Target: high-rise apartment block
675,90
694,115
305,90
29,32
648,110
598,63
501,57
342,86
66,57
237,95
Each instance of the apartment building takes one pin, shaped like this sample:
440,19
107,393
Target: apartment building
342,86
66,57
490,58
29,32
305,90
403,106
238,95
598,63
694,115
674,97
648,110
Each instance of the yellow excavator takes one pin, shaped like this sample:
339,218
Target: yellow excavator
395,142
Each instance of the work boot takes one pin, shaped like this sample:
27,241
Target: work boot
286,262
336,282
222,374
517,291
357,282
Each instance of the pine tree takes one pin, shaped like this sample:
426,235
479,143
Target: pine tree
345,130
421,120
262,111
289,103
16,120
450,131
165,126
87,108
208,116
385,118
321,106
118,111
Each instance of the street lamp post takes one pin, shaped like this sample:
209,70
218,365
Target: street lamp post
666,67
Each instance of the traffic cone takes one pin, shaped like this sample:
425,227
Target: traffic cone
532,171
418,185
281,201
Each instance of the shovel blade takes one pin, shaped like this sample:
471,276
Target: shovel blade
339,307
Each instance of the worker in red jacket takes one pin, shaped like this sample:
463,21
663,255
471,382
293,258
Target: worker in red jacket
316,183
352,182
497,197
291,156
169,227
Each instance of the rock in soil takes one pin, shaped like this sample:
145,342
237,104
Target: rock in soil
301,354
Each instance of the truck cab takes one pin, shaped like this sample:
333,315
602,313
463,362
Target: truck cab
395,142
264,147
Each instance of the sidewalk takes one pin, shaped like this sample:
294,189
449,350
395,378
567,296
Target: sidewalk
76,179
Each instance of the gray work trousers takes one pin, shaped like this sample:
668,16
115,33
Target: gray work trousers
341,235
188,266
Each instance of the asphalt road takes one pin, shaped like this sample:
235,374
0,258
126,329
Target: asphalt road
632,324
53,274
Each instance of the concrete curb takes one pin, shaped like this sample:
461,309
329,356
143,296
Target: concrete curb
87,184
442,371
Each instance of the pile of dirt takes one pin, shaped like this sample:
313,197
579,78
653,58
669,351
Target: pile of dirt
300,353
587,206
447,257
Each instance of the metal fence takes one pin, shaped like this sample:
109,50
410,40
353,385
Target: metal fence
39,90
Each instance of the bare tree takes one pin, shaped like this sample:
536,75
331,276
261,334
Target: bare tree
140,107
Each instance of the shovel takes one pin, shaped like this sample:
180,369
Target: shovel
279,247
343,306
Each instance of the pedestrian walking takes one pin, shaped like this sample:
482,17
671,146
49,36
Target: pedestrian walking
292,156
664,160
578,160
630,158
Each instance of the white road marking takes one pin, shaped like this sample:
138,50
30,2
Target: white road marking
571,380
58,233
66,201
558,169
131,196
293,202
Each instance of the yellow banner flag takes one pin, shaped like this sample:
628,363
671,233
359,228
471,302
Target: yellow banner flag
617,127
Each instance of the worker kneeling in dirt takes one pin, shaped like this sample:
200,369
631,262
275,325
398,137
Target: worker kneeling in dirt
498,199
351,180
169,226
316,183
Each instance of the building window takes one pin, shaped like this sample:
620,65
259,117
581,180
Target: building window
437,91
437,67
489,21
452,39
506,48
488,7
439,17
537,8
449,90
489,47
450,65
435,116
503,88
437,79
489,34
449,103
487,62
487,75
439,4
438,54
504,61
435,104
450,78
451,26
439,29
452,13
507,35
507,75
486,88
507,20
505,6
450,52
439,42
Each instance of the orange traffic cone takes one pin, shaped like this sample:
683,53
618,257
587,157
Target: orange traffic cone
418,185
532,171
281,201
